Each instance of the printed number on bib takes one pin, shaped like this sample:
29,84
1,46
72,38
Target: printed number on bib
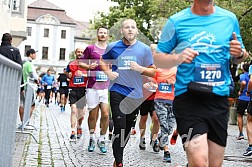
209,74
49,87
100,76
165,88
124,62
78,80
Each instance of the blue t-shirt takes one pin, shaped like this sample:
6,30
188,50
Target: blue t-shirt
129,82
244,77
209,35
49,79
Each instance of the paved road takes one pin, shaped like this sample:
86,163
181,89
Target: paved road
55,149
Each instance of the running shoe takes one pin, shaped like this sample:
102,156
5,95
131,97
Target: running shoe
79,133
142,144
102,147
133,131
248,152
91,145
241,136
167,157
73,137
155,146
174,138
119,165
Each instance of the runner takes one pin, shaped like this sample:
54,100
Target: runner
97,90
165,79
77,86
63,89
134,60
48,81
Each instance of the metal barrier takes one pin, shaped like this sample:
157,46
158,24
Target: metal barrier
10,74
29,99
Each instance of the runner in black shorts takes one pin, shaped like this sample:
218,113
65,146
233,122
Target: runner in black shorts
63,89
77,87
148,107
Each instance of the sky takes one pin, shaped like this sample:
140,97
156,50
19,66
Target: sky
81,10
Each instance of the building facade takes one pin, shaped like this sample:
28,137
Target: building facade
13,16
52,33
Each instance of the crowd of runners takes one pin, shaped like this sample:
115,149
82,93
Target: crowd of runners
117,81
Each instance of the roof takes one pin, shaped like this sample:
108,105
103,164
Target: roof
80,27
43,7
43,4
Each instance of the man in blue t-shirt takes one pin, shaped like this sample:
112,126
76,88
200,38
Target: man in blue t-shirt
204,37
248,151
48,81
243,99
130,60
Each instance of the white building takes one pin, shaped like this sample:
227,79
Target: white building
13,16
53,34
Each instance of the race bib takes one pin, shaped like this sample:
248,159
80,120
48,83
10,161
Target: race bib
64,84
209,74
100,76
49,87
165,87
124,62
78,80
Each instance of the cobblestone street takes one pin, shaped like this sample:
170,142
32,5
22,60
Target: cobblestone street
55,149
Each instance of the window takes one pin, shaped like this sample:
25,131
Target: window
63,34
16,5
27,47
29,31
45,53
62,54
46,32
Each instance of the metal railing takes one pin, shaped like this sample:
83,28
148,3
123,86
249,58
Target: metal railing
29,100
10,74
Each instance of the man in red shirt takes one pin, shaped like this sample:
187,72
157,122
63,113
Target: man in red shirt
77,87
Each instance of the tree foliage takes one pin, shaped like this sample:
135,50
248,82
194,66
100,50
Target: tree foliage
151,15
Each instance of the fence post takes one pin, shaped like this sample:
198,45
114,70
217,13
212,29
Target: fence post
10,74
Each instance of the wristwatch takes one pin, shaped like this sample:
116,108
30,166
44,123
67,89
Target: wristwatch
241,55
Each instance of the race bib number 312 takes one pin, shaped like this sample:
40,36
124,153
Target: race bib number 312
124,62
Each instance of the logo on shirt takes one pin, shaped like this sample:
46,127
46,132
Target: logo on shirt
204,42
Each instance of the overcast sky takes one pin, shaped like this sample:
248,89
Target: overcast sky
81,10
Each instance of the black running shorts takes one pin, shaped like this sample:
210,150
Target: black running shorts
77,96
147,107
242,105
199,114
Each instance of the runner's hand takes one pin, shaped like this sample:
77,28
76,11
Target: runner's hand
235,46
112,75
134,66
187,56
93,65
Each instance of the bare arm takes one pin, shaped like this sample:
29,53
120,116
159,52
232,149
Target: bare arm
249,85
105,68
147,71
164,60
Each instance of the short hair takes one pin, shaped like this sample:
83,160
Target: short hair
29,52
100,28
48,70
6,37
245,67
122,25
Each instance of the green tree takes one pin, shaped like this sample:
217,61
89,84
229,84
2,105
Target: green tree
151,15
